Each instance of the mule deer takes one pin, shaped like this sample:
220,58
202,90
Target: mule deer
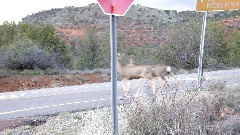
132,71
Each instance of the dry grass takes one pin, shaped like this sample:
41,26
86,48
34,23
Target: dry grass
176,114
213,110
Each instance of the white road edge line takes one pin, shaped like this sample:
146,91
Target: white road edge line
42,107
94,100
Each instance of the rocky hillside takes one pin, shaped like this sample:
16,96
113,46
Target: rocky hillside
139,25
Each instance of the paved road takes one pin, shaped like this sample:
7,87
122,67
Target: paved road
80,97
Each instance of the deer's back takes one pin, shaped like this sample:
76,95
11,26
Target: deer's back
136,72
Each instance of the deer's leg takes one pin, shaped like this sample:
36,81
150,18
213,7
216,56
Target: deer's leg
154,83
128,88
165,82
125,87
139,81
175,80
126,93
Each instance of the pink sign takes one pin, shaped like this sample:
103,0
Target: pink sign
115,7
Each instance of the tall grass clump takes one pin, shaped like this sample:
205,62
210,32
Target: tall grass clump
180,114
193,112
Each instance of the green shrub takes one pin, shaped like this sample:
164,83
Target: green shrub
233,47
31,46
7,33
87,54
28,55
43,34
182,48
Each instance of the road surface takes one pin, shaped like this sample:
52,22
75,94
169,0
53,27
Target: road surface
74,98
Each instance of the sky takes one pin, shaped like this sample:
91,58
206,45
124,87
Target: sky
15,10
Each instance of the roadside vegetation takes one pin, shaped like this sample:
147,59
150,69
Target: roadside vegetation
214,110
38,47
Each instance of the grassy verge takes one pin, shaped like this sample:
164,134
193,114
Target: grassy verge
8,72
215,110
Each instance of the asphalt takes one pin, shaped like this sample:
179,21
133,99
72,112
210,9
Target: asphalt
22,104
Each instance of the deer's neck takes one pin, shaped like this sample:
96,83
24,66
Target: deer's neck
119,67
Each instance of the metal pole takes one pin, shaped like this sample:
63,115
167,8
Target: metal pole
113,72
200,69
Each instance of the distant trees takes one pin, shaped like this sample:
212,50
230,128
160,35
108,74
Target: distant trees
34,46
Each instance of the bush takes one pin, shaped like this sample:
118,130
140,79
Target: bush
7,33
43,34
28,55
2,57
182,47
233,47
87,54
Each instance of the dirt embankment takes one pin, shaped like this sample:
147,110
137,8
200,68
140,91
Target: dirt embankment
17,83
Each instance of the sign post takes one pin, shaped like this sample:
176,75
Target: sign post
114,8
113,41
200,68
210,5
